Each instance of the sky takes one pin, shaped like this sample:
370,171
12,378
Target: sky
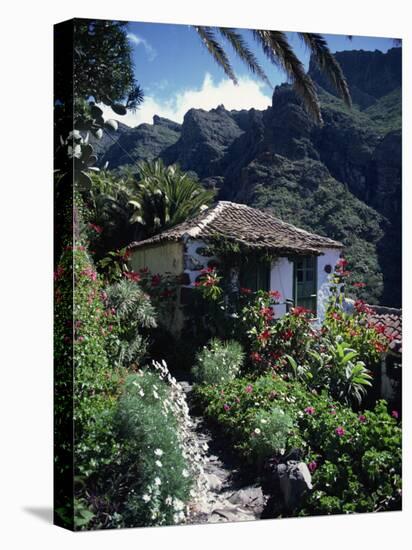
177,73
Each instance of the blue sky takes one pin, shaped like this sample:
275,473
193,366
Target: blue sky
177,73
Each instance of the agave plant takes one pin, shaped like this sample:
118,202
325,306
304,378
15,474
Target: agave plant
277,49
166,196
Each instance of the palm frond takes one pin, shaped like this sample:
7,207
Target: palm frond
276,47
244,53
327,63
209,40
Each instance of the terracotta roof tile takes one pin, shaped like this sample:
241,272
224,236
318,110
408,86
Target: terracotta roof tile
252,227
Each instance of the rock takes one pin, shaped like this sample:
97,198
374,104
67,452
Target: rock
294,481
215,484
251,496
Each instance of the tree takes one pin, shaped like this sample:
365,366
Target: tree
165,197
276,47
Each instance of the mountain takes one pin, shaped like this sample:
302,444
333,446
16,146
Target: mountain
341,179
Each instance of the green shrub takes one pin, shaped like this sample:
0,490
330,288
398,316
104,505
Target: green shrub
134,314
271,432
158,477
218,362
355,458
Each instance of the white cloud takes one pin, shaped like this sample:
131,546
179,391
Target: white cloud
138,40
246,95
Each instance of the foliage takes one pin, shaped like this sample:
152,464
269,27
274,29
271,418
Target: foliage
158,477
134,313
355,458
218,362
276,47
165,196
271,432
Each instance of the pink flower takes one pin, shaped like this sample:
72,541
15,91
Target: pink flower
359,285
132,276
362,418
275,294
312,466
340,431
245,290
333,411
395,414
226,407
97,228
310,410
249,388
256,357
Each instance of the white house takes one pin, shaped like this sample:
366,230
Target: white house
272,254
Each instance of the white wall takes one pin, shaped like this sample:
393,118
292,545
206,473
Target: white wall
191,258
281,279
330,257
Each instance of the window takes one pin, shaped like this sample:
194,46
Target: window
255,274
305,282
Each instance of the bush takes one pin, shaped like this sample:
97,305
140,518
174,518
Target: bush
271,432
162,460
134,314
219,362
355,458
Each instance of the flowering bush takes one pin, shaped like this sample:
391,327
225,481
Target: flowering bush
164,460
355,458
218,362
271,432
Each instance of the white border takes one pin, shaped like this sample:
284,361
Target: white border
26,265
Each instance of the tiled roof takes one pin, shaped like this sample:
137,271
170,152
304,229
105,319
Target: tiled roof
249,226
391,319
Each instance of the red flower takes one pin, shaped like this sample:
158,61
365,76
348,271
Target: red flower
207,270
256,357
312,466
132,276
380,347
275,294
361,307
359,285
340,431
300,311
249,388
264,336
126,255
287,334
156,280
58,273
362,418
336,316
267,313
244,290
144,270
395,414
342,263
97,228
226,407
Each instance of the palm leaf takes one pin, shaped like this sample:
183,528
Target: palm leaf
327,63
276,47
245,54
217,52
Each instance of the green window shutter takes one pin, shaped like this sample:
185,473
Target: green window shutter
255,275
305,282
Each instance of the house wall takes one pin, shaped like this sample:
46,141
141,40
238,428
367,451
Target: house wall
161,258
330,257
281,279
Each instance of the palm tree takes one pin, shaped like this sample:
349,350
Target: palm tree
276,47
166,196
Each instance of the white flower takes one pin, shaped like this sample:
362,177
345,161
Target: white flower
155,394
158,463
205,446
146,498
178,505
141,393
169,500
185,473
257,431
158,452
157,481
263,421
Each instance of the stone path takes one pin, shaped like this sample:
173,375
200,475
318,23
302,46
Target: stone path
225,499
